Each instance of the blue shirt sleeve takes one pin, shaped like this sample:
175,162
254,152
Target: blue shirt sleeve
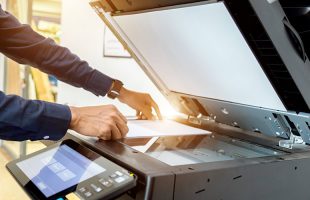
22,119
20,43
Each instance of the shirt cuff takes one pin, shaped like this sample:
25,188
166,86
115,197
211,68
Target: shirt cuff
55,122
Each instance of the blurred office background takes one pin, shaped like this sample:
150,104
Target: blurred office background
73,24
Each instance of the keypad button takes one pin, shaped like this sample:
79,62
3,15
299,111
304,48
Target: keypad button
88,194
119,179
105,182
118,173
82,189
113,175
93,186
96,188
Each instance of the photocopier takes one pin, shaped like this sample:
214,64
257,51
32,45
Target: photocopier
237,68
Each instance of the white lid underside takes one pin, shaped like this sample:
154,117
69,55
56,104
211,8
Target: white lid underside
199,50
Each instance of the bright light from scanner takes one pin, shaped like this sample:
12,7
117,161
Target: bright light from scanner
167,110
200,51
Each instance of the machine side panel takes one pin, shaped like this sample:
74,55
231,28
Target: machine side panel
264,181
160,187
273,18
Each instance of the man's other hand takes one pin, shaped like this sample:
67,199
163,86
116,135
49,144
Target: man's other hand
104,122
141,102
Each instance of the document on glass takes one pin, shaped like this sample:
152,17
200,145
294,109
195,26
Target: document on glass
157,128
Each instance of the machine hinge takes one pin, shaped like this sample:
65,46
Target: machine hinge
198,120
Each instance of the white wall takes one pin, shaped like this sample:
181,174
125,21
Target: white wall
83,33
3,4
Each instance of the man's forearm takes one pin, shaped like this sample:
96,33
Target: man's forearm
22,44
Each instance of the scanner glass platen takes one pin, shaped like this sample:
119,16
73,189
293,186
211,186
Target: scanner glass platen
198,149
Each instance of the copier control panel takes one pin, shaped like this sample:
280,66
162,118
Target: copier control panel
70,171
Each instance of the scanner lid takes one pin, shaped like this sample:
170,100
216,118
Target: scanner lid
201,49
226,51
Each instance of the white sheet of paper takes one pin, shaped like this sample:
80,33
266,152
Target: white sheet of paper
147,128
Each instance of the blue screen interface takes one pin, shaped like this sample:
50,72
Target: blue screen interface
58,169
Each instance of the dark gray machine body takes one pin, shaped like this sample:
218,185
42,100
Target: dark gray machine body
281,176
254,152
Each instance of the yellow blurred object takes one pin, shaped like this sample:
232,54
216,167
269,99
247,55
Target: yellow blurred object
72,196
48,29
43,87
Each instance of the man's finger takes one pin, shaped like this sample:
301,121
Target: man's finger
121,125
143,117
122,117
115,132
123,128
155,106
118,119
147,112
105,136
138,114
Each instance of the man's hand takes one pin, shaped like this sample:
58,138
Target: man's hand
141,102
104,122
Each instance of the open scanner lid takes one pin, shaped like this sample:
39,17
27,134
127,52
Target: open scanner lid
240,62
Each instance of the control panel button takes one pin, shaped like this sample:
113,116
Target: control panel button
96,188
113,175
82,189
119,179
88,194
118,173
105,182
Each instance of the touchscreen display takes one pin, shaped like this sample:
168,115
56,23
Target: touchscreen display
58,169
